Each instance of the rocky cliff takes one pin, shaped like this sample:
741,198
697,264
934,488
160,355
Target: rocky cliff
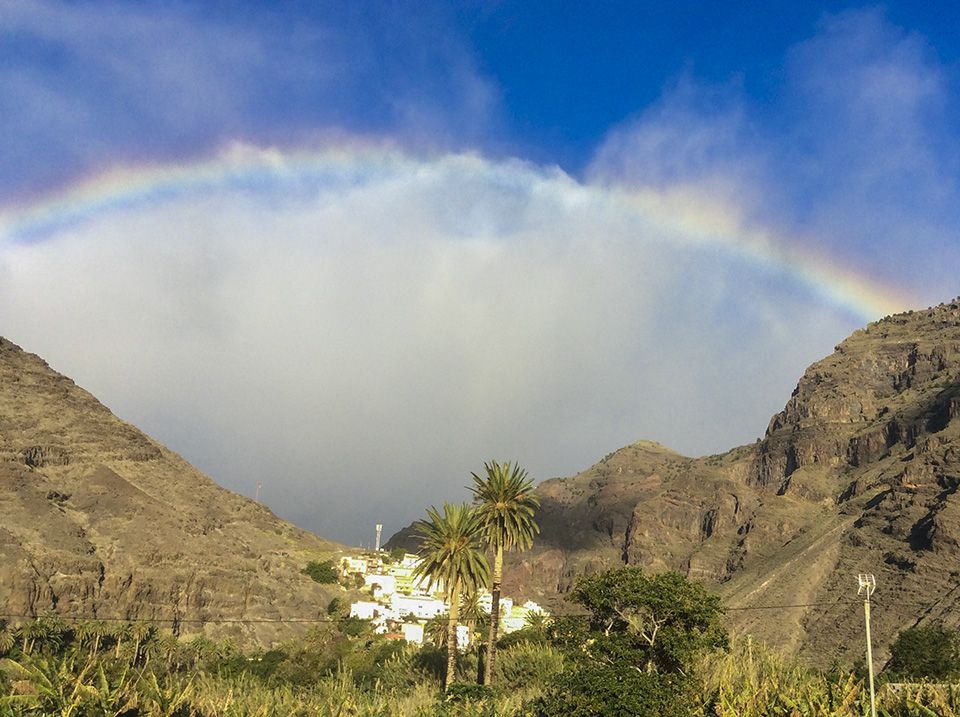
858,473
99,520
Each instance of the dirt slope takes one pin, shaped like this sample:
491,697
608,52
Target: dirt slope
98,519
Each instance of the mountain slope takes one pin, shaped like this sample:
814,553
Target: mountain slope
97,519
858,473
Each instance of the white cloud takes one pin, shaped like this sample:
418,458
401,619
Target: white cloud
855,155
361,347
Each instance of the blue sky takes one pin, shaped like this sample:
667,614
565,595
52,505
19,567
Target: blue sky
656,207
545,81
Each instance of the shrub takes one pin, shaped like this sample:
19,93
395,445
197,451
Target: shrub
926,651
528,664
321,572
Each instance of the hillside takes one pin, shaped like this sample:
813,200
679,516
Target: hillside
858,473
99,520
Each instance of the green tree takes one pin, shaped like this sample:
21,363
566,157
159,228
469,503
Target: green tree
506,503
338,608
926,651
451,556
120,632
634,651
321,571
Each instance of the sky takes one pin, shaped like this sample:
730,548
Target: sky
352,251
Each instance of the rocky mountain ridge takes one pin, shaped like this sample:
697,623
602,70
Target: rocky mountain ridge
99,520
858,473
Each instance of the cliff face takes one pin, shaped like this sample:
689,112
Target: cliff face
858,473
97,519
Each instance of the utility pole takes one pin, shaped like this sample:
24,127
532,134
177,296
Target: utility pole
868,585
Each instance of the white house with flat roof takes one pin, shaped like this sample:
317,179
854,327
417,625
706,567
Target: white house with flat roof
380,585
419,606
412,632
367,610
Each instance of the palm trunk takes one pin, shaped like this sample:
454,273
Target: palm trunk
494,615
452,635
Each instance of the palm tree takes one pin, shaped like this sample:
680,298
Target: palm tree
119,632
451,556
168,646
473,614
8,639
90,632
506,502
537,621
435,631
142,632
47,630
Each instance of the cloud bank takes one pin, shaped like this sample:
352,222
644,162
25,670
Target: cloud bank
360,342
360,336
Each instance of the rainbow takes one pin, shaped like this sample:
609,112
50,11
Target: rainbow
242,168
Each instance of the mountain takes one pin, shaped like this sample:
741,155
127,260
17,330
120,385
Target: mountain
858,473
99,520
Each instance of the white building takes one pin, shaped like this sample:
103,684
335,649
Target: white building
367,610
350,564
420,607
412,632
398,596
463,637
381,585
485,600
516,619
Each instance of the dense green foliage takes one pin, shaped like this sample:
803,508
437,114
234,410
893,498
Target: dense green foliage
505,503
91,669
636,649
606,662
926,651
321,571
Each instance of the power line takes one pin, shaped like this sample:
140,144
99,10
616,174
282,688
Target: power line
172,620
794,605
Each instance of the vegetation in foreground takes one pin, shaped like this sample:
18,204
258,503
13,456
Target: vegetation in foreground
634,645
645,645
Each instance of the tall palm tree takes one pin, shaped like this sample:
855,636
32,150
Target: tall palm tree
506,502
120,632
451,556
90,632
142,632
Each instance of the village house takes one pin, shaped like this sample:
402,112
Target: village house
402,605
